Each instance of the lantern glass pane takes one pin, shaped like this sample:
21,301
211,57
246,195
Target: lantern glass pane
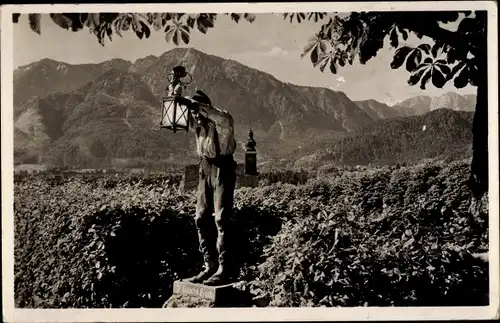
174,115
182,115
168,113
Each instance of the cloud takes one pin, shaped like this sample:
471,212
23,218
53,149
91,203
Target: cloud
277,51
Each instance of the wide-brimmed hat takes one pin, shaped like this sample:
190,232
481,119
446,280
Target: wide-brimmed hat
180,72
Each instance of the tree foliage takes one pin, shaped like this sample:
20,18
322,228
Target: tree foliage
453,56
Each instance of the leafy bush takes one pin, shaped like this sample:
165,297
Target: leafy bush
363,237
98,179
379,239
284,176
82,245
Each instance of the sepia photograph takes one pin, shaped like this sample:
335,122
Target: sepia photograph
334,160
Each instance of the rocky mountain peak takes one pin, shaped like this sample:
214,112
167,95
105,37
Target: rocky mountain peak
114,105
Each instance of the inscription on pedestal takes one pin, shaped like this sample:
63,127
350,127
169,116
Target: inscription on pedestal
198,290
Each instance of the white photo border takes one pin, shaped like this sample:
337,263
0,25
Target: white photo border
12,314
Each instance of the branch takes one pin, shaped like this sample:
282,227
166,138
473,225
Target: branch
430,28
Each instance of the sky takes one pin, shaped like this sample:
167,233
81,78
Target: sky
270,44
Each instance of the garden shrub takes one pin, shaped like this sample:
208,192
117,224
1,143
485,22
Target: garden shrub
415,250
83,246
377,237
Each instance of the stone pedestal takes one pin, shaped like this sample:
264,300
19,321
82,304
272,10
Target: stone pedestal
197,295
211,293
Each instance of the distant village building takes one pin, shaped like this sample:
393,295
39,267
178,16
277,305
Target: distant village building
251,155
246,174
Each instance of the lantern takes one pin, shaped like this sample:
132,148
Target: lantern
174,114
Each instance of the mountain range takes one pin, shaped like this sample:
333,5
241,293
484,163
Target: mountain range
107,114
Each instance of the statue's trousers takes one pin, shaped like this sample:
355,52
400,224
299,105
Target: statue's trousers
217,179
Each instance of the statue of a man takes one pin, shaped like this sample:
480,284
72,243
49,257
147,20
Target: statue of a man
214,130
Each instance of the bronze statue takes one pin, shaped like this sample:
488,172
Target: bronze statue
214,130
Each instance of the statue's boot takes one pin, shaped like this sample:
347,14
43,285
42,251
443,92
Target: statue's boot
223,276
210,268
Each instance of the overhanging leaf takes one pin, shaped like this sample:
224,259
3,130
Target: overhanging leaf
136,24
300,16
169,33
94,21
202,28
314,54
203,23
324,62
15,17
425,47
328,29
438,79
145,29
321,59
449,16
308,48
413,60
415,77
435,49
315,44
394,38
190,21
175,38
466,26
333,67
445,69
249,17
462,79
400,56
424,64
316,16
451,56
322,46
457,68
158,21
473,74
109,31
34,20
341,61
118,30
235,17
370,47
425,79
404,33
61,20
184,32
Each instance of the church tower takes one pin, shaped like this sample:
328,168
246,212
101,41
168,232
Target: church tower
250,155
